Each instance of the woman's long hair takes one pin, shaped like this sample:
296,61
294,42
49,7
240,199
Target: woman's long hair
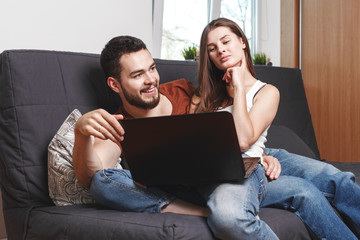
212,89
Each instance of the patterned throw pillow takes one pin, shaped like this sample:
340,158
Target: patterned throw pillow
64,188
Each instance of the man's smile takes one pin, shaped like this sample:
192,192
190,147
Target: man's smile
151,90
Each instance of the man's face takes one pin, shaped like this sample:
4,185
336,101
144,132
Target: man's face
139,80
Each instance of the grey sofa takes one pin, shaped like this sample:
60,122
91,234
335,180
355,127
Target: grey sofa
38,89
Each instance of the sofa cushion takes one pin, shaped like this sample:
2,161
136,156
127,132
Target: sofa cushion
95,222
284,138
64,188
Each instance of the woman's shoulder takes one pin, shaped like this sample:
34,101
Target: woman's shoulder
268,90
267,86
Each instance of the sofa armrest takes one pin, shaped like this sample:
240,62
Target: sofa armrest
282,137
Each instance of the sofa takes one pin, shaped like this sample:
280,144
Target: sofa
40,88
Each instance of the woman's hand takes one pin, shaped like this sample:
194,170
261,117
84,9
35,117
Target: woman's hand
235,76
272,167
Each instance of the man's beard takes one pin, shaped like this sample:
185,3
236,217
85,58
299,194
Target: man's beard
140,103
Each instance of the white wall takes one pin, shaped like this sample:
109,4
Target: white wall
72,25
268,40
86,25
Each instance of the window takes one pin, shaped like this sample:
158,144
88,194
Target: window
184,20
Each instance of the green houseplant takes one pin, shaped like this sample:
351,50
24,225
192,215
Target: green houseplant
189,52
259,59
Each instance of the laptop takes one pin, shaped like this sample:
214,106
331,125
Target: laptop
189,149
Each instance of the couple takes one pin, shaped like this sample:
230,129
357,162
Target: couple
226,82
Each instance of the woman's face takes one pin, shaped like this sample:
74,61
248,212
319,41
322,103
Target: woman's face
225,48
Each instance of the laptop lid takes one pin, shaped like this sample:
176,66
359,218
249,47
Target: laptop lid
183,149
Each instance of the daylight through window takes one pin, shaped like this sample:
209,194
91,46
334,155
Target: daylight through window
184,21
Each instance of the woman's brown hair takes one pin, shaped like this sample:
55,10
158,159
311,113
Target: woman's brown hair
212,89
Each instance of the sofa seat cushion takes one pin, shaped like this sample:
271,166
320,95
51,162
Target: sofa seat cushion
94,222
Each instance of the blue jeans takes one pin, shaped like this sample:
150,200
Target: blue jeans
310,188
116,189
233,207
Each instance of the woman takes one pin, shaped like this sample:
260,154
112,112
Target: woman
227,82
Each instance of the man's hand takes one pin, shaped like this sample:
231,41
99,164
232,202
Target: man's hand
272,167
101,124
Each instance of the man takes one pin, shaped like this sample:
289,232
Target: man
136,80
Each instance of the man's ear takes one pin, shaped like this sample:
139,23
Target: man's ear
114,84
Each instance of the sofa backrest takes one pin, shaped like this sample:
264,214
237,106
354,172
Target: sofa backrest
38,89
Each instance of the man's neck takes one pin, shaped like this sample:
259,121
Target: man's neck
162,109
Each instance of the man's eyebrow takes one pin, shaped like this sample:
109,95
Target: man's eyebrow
136,72
142,70
222,38
153,65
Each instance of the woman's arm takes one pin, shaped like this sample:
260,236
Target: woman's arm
250,125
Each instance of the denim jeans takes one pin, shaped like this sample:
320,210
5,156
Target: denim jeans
310,188
116,189
233,207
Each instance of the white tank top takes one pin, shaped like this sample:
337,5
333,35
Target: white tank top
257,149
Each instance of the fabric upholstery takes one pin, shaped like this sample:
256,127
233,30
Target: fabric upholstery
282,137
293,111
39,89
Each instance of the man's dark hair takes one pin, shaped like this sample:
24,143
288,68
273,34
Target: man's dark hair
114,49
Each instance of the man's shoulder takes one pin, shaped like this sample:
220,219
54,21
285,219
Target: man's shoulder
179,92
181,86
179,83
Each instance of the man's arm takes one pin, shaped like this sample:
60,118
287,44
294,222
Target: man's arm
90,155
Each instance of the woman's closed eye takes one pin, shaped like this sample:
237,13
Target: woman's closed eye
211,49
